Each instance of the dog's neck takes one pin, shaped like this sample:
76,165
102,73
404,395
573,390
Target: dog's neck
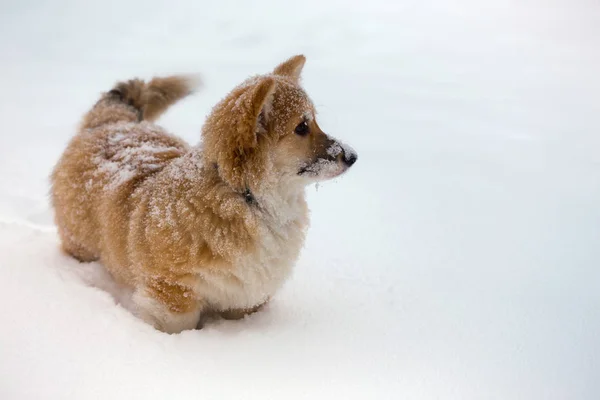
249,197
280,199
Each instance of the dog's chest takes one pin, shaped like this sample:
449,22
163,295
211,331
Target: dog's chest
257,275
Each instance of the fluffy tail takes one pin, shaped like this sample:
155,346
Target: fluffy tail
136,100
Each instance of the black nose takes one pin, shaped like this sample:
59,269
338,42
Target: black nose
350,159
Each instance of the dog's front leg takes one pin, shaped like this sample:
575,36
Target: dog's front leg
239,313
169,308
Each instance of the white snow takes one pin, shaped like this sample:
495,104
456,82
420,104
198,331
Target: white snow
458,259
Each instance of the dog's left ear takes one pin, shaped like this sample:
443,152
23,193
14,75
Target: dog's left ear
254,107
232,130
291,68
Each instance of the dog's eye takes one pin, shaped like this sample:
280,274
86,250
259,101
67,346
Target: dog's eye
302,129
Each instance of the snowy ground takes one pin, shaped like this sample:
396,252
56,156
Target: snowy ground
459,259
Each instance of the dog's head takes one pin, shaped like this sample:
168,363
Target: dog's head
265,131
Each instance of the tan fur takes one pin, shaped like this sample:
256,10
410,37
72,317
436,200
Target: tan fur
291,68
193,230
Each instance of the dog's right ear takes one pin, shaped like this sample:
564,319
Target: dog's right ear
291,68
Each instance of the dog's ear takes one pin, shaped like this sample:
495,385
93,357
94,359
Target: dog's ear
253,106
291,68
231,132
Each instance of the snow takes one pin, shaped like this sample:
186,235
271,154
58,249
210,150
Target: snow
458,258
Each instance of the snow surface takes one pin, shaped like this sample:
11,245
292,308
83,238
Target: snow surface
458,259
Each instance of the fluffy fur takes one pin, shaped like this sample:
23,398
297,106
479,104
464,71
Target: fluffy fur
214,228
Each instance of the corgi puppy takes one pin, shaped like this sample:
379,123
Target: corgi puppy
195,230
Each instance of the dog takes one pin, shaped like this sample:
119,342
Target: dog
195,230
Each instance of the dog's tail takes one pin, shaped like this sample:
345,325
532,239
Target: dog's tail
136,100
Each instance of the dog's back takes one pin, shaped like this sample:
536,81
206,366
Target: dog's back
116,149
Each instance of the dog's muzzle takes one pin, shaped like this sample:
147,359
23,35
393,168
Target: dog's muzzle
339,151
349,158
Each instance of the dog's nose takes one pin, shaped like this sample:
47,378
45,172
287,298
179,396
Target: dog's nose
350,158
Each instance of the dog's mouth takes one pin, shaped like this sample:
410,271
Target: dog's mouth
323,169
338,160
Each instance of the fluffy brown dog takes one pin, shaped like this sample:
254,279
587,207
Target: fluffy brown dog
214,228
